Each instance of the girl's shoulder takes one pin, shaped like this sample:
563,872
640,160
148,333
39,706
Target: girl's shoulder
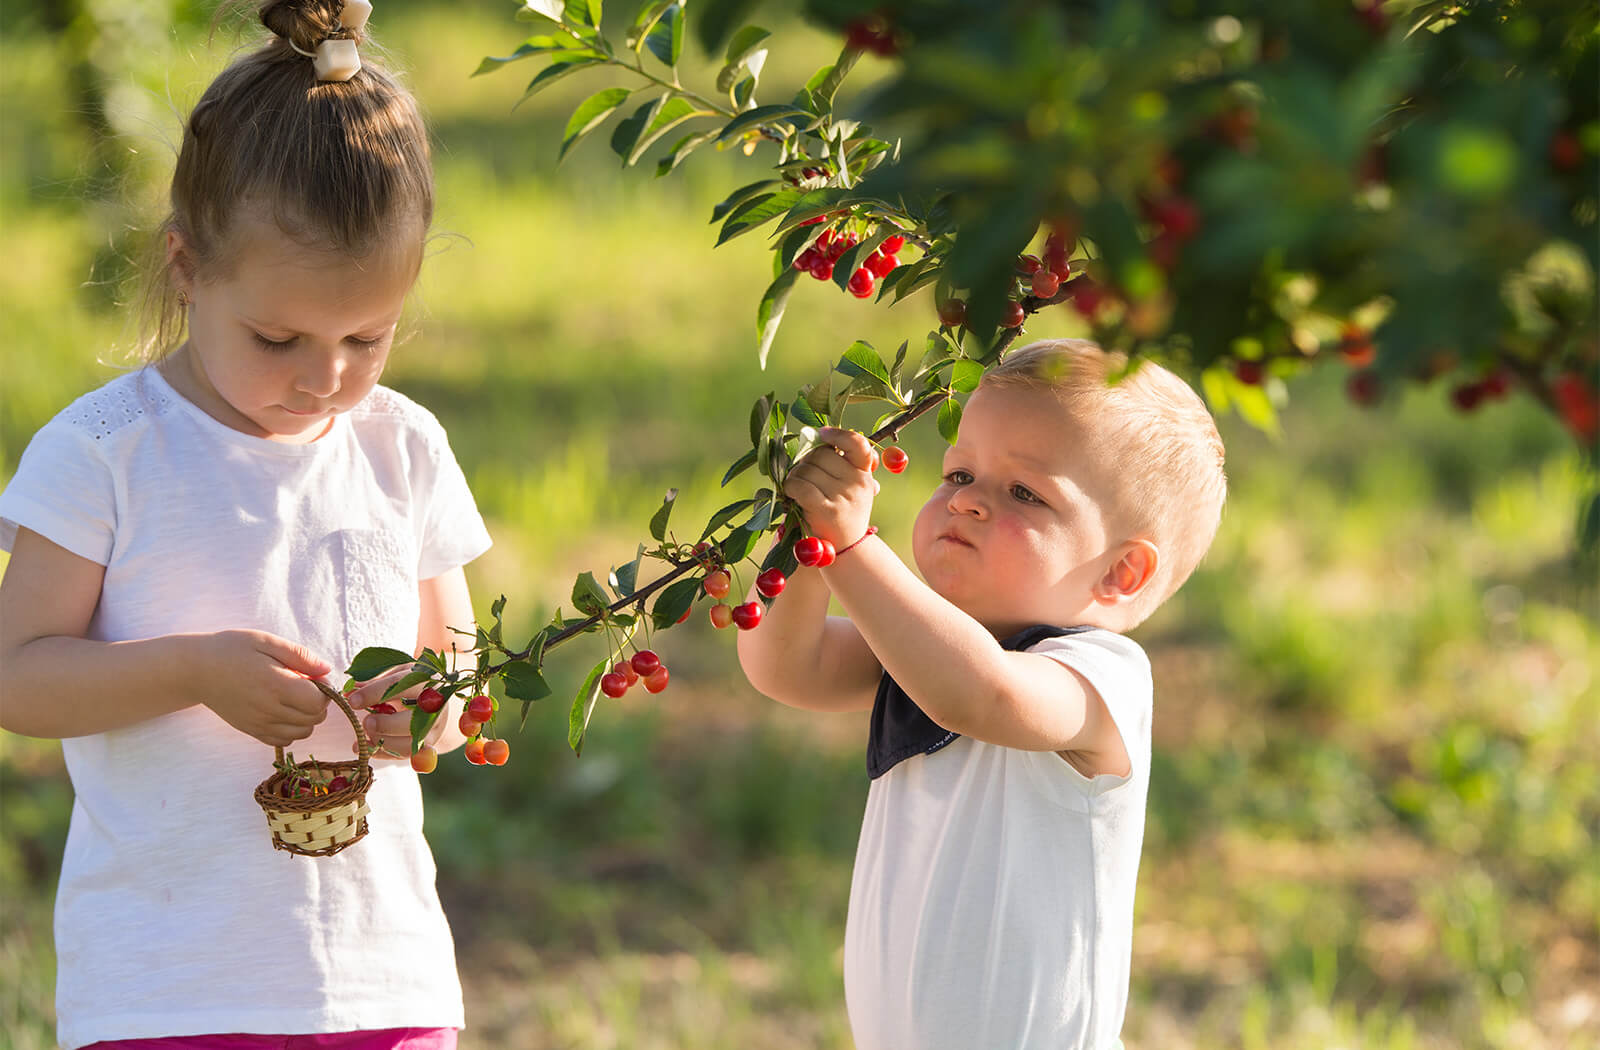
387,408
130,401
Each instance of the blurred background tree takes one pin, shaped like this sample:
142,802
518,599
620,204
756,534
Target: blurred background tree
1373,816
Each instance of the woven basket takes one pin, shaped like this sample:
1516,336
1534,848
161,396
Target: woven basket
320,825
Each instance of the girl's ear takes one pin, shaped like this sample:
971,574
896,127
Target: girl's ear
1129,574
180,263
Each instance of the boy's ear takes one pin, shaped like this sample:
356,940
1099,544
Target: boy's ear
1129,574
180,263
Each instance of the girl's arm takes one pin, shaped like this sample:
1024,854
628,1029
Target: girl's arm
446,603
802,657
56,683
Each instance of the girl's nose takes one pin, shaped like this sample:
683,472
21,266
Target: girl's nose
965,499
322,374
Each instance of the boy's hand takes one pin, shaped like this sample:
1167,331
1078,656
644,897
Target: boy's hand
263,686
834,487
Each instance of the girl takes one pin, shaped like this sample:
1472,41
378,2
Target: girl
193,542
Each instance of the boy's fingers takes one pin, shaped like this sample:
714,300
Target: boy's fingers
853,446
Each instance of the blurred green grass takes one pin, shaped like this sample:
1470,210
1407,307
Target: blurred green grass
1373,811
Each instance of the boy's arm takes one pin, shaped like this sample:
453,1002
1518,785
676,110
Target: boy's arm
943,658
56,683
802,657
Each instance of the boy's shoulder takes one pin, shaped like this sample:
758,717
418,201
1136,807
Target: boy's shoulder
1113,663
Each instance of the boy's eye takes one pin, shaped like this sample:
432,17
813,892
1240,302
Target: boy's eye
1024,494
958,477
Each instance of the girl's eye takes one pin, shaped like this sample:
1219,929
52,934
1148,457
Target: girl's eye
272,344
1022,493
366,344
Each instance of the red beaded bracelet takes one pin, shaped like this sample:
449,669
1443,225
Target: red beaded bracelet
872,530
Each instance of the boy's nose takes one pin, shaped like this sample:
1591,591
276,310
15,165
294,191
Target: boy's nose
964,500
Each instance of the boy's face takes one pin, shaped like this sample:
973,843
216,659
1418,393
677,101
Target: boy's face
1015,535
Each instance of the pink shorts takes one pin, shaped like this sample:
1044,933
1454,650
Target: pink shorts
374,1039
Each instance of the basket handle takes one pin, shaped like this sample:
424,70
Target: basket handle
363,745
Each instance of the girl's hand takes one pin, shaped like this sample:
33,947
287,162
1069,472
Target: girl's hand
389,731
267,692
834,487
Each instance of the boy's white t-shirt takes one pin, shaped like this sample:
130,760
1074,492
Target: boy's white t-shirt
992,899
175,916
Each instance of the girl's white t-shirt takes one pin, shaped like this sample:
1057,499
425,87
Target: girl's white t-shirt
992,899
175,916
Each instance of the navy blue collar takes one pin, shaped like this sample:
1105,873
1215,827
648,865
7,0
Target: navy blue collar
899,728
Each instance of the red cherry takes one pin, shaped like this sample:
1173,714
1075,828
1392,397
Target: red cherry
684,617
1011,315
1566,153
625,669
1062,270
469,725
953,313
892,244
721,615
645,662
424,760
1056,250
807,259
430,700
384,708
811,221
828,554
881,265
613,684
771,582
748,615
860,283
1045,284
474,751
481,707
1087,297
1363,388
656,680
1249,372
717,584
1177,215
895,459
495,752
1355,346
1467,396
340,782
1579,404
808,551
1029,264
823,270
1497,384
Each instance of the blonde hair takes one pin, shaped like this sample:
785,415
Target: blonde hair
341,166
1163,455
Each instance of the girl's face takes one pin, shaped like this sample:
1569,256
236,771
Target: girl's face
291,336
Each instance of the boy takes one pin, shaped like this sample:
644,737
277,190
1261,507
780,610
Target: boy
992,901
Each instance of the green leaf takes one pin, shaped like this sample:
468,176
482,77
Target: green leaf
583,12
739,544
756,212
587,595
715,19
806,413
400,685
665,39
583,706
372,661
682,148
675,111
769,315
950,420
758,417
595,109
560,65
862,359
627,132
674,601
753,118
421,722
742,51
825,82
625,578
740,195
658,523
965,376
740,465
534,45
725,515
649,14
524,681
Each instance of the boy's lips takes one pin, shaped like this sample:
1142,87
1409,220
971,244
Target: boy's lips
955,537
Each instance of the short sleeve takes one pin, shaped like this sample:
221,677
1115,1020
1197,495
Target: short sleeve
453,530
64,490
1119,671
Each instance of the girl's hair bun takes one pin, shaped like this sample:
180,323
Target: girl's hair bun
305,23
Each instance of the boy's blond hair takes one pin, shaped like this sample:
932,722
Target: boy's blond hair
1163,455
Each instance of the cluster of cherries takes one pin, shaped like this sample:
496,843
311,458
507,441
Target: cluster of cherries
818,260
1040,277
307,783
644,666
479,749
